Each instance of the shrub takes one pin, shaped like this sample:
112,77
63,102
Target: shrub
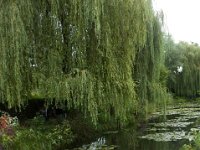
41,137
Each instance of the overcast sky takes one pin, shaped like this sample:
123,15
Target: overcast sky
182,18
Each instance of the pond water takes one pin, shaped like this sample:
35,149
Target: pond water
179,127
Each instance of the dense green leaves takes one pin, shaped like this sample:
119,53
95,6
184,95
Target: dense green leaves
183,61
82,54
150,73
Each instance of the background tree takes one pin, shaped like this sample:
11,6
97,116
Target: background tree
182,59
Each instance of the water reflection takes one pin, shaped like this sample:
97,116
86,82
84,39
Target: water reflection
158,134
128,140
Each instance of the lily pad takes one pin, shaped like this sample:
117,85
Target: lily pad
173,124
166,136
156,129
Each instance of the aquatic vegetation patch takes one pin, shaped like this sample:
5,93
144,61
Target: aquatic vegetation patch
192,114
170,136
156,129
173,124
166,136
175,128
178,111
180,119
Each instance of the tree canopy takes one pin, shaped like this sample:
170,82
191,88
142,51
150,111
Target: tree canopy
92,55
183,61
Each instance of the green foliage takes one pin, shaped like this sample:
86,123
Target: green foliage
40,137
187,147
197,141
86,55
184,82
27,139
150,73
195,144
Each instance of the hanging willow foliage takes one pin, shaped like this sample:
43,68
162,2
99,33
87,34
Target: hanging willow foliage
79,53
150,73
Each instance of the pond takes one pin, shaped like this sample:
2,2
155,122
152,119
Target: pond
178,128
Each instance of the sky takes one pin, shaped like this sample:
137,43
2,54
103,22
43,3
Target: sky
182,18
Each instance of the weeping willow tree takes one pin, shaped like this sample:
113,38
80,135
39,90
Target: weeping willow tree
183,61
150,72
80,54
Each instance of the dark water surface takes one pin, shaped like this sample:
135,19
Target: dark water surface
178,129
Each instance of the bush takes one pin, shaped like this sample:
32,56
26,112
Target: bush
41,137
187,147
195,145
